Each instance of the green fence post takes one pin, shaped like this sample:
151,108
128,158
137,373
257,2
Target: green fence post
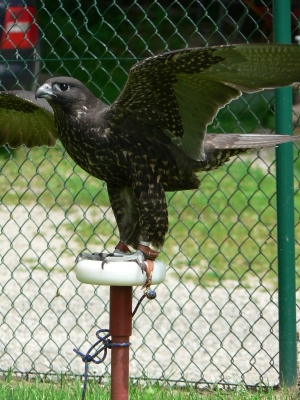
285,213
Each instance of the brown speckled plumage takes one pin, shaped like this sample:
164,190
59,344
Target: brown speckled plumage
152,138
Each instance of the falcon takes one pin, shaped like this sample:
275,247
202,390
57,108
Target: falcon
152,138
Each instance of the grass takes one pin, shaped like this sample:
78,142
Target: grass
65,389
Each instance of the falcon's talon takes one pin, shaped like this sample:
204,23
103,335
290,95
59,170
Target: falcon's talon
139,257
88,256
116,256
100,255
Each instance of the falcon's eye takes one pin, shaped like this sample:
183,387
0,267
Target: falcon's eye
62,87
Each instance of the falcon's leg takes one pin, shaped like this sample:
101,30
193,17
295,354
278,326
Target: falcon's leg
126,215
153,219
141,215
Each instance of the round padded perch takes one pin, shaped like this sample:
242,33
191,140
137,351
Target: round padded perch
121,273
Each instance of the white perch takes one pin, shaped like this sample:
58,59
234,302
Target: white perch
121,273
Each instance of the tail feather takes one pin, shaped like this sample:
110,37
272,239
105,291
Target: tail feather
219,148
244,141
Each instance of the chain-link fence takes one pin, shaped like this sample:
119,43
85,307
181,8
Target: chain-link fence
215,318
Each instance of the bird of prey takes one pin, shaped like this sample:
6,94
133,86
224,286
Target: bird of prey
152,138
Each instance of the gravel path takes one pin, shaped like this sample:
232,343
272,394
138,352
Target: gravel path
226,333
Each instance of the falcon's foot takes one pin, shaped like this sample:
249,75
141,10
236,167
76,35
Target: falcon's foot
144,257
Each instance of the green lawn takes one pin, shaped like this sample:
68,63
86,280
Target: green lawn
67,389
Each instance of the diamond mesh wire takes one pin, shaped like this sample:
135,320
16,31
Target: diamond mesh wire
215,318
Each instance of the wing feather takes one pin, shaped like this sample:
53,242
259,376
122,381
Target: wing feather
180,92
25,120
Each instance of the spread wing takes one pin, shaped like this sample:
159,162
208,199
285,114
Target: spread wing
25,120
180,92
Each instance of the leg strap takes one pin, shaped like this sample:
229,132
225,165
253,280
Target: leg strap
122,247
148,268
149,253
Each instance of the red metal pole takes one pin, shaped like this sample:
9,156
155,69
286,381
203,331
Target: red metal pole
120,328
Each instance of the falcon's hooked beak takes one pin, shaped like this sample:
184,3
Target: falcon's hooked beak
45,92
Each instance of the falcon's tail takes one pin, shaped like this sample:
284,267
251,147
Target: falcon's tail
220,147
244,141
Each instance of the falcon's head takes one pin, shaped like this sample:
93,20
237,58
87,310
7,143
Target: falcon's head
67,94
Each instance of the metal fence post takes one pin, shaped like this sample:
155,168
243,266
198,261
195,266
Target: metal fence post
285,213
